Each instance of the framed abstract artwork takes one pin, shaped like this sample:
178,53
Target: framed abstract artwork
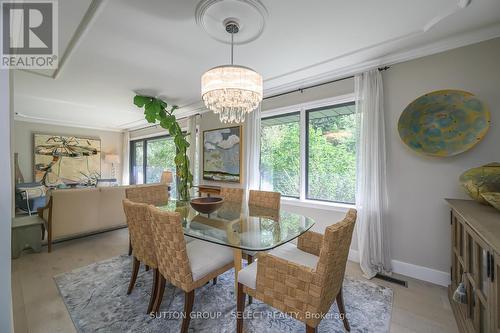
66,159
222,154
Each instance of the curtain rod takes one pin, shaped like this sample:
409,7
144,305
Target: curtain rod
301,90
156,125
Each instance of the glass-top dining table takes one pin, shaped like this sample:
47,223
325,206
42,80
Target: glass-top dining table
241,227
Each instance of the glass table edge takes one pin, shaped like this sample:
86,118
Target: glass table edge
243,248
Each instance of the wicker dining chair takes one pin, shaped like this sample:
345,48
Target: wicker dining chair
270,201
151,194
139,225
232,194
264,199
185,265
302,281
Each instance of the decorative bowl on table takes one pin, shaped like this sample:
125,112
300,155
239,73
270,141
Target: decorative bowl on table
479,180
493,198
206,205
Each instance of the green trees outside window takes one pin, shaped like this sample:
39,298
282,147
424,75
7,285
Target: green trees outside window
280,155
330,154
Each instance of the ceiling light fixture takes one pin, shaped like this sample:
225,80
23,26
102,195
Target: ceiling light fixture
231,91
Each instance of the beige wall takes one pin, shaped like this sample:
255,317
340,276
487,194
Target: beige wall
419,217
111,142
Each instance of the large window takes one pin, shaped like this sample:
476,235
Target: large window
310,154
331,153
150,157
280,154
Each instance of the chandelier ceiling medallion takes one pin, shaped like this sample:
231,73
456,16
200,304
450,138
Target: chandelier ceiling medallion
232,91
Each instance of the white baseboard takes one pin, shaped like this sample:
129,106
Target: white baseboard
414,271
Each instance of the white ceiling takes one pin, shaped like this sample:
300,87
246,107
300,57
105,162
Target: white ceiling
156,47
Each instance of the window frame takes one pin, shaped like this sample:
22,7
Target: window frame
306,129
300,160
144,141
302,109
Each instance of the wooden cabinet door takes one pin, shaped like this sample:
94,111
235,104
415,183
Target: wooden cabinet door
495,293
458,257
479,287
458,249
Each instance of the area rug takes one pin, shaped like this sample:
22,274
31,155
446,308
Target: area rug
97,300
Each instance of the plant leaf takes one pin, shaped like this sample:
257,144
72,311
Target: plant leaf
140,100
152,111
150,117
179,158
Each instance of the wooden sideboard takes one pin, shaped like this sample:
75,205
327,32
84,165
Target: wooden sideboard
208,190
475,255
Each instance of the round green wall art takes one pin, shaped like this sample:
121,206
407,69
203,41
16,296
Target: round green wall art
444,123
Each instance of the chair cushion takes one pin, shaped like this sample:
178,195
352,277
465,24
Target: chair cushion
291,253
205,257
248,276
288,251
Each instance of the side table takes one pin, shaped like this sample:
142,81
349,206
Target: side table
26,233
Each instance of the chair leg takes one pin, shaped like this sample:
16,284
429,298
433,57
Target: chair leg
159,293
43,232
147,268
214,281
340,304
135,270
250,261
49,239
129,246
310,329
154,290
188,308
240,307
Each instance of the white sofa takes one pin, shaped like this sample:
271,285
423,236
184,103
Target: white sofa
77,212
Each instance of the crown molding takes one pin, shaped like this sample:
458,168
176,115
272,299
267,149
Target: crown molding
39,120
446,44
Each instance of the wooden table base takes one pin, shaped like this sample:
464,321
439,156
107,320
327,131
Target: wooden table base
237,268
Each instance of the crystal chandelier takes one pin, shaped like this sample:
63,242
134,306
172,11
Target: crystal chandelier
231,91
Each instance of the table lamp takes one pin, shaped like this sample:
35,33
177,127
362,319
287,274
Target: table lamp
166,177
112,159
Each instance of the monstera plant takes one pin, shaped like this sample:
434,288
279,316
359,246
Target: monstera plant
158,111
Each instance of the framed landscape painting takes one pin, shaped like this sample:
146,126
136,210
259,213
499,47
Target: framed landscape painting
66,159
222,154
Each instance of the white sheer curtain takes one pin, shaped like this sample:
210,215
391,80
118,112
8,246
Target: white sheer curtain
251,150
251,153
126,158
371,189
193,147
